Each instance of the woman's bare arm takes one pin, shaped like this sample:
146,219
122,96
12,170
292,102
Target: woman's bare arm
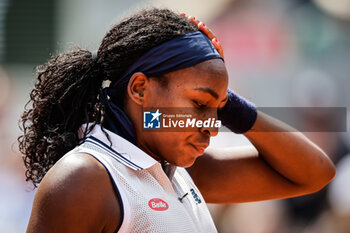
76,195
284,163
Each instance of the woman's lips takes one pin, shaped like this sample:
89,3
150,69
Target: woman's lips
200,148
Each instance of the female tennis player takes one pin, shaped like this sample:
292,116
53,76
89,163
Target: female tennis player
100,171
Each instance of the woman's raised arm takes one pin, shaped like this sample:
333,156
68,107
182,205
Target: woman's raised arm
284,163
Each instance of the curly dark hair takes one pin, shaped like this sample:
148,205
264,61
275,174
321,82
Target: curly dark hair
67,90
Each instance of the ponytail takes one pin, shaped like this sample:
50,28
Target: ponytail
65,96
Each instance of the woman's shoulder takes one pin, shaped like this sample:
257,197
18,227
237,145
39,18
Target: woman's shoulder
77,170
77,165
77,189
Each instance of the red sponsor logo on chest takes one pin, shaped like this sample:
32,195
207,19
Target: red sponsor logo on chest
158,204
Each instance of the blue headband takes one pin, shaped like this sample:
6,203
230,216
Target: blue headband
179,53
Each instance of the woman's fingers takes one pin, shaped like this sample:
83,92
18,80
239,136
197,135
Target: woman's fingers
201,26
206,30
212,37
218,46
193,20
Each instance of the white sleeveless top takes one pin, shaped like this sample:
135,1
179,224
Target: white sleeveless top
149,201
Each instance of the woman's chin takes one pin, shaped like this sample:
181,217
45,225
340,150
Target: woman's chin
188,162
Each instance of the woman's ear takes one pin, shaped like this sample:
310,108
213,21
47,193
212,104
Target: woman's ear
136,87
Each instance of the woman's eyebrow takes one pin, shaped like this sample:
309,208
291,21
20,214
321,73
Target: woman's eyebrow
207,90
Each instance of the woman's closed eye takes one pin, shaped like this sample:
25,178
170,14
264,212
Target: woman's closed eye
200,104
